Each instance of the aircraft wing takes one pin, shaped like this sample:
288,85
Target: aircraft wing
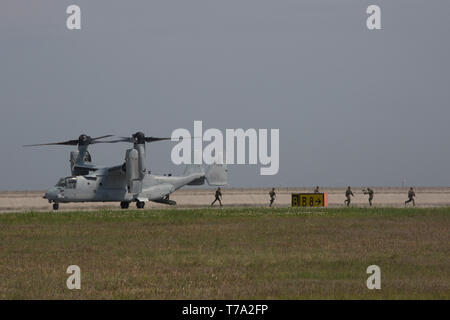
116,169
85,166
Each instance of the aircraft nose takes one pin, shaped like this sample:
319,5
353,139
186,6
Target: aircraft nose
52,194
49,194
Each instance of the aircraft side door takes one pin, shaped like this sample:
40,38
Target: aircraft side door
86,189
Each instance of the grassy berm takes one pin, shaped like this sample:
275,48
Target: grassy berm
251,253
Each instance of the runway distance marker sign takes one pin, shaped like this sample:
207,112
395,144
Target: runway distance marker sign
309,200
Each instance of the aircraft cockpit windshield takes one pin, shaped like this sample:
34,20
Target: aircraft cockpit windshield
69,182
61,183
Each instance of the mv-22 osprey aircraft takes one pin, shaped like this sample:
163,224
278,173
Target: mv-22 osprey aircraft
128,182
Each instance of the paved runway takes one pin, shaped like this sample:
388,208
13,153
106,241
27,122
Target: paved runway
13,201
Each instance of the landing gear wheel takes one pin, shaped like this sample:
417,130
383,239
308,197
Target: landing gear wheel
55,206
140,204
124,204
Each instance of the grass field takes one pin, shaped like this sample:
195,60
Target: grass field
252,253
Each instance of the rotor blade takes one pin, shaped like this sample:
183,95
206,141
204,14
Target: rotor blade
65,143
147,139
73,142
154,139
94,140
126,139
113,141
107,136
122,139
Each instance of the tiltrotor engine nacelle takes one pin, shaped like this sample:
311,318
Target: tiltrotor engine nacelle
132,171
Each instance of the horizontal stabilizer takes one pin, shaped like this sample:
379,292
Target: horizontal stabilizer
197,182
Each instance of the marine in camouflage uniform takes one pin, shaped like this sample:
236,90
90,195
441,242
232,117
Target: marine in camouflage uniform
411,195
370,192
272,195
218,197
348,193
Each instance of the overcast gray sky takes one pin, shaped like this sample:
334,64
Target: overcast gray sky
354,107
